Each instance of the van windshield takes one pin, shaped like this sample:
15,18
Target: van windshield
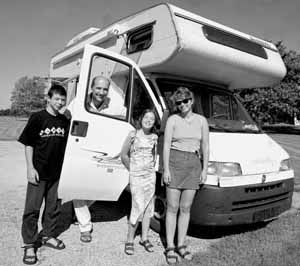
222,109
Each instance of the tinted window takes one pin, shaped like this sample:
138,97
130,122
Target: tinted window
233,41
140,39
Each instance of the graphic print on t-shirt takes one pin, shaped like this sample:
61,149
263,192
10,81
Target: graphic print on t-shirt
58,132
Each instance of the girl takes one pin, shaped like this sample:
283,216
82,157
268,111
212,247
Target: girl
139,155
186,137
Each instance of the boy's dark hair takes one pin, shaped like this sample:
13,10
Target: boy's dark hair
57,89
155,127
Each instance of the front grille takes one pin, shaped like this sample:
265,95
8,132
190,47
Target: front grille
258,202
263,188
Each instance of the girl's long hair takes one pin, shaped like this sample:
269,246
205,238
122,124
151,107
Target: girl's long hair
154,129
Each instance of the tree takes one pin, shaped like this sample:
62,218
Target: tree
278,104
27,96
4,112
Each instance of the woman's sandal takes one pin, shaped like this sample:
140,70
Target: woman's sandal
58,243
181,250
147,245
129,248
29,259
171,256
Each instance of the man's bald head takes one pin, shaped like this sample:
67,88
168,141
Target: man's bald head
100,81
100,86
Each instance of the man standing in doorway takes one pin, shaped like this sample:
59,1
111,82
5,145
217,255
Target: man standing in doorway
98,102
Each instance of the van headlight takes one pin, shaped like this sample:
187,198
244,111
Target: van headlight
285,165
224,169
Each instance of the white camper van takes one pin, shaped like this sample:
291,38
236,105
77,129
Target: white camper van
146,56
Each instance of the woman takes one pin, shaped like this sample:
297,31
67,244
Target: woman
186,138
139,156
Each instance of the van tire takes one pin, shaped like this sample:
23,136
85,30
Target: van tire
157,222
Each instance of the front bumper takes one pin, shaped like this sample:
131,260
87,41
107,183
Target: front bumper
220,206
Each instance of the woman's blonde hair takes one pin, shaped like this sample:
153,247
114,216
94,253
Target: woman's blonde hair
180,94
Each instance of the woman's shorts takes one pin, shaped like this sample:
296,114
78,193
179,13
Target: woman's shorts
185,170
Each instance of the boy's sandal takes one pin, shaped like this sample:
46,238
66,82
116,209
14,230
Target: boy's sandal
129,248
171,258
58,243
86,237
147,245
181,250
29,259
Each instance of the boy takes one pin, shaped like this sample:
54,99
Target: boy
44,137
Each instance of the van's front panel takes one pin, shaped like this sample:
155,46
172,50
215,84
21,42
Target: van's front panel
219,206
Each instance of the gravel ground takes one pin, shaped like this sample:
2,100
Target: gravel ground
109,229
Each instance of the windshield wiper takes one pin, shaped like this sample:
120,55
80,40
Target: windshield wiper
219,128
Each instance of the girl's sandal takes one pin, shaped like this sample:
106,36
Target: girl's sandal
171,256
181,250
29,259
147,245
129,248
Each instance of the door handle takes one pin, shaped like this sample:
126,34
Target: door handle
79,128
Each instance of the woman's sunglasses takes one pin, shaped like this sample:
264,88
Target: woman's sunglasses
183,101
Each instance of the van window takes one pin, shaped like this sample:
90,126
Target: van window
220,106
228,115
140,39
140,99
223,111
234,41
168,86
111,102
239,112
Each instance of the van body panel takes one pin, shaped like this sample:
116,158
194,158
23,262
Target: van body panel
92,167
256,153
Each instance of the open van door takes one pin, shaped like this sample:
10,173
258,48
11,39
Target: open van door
92,168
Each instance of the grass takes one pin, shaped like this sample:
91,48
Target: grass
276,244
11,127
281,129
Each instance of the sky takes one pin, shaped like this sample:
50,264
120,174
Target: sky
32,31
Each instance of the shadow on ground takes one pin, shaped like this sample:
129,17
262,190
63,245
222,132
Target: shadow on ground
101,211
213,232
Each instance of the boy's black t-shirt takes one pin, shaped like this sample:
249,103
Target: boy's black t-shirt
47,134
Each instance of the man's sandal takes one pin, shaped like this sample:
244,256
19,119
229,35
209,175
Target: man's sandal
147,245
29,259
58,243
86,237
129,248
171,256
181,250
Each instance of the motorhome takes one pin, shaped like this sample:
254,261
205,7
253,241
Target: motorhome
146,56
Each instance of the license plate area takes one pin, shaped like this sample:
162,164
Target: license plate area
266,214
